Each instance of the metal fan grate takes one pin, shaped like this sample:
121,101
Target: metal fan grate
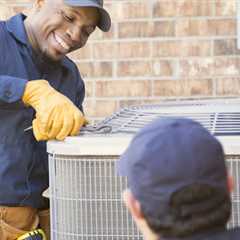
220,118
86,201
233,164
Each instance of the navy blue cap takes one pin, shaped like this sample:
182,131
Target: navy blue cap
167,155
105,19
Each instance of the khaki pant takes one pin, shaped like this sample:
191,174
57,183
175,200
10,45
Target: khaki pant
16,221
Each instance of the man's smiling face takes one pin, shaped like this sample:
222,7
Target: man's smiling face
56,29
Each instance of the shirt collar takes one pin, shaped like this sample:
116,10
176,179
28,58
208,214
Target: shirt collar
16,27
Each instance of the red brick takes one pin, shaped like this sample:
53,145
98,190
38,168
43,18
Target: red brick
95,69
227,67
100,35
115,50
134,68
192,27
226,8
83,53
228,86
18,2
89,107
112,9
181,48
133,50
106,50
166,8
146,68
128,103
196,68
122,88
226,47
223,26
163,29
135,29
89,88
159,100
100,108
183,88
173,8
146,29
166,49
130,10
105,108
195,7
205,27
163,68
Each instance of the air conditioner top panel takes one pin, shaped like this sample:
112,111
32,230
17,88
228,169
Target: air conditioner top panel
95,145
103,145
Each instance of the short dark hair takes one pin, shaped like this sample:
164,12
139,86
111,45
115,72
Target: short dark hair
193,209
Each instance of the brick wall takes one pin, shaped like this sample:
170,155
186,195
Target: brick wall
158,50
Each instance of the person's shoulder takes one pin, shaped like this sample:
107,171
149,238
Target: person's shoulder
234,233
71,66
4,30
229,234
2,26
4,34
68,60
224,234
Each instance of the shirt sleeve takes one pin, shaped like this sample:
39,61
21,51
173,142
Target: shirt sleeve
11,88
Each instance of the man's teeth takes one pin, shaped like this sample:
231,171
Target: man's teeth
62,43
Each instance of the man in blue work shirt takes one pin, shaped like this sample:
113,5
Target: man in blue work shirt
178,183
39,86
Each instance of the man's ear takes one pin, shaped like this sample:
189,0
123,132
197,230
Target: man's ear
134,207
230,183
132,204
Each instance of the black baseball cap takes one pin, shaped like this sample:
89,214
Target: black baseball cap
167,155
105,19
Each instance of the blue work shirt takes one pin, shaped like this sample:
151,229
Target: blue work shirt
23,160
225,234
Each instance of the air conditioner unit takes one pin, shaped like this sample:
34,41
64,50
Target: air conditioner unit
85,191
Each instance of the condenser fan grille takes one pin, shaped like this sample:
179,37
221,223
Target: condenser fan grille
86,199
220,118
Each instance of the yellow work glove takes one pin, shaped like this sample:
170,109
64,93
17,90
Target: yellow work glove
56,116
35,234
